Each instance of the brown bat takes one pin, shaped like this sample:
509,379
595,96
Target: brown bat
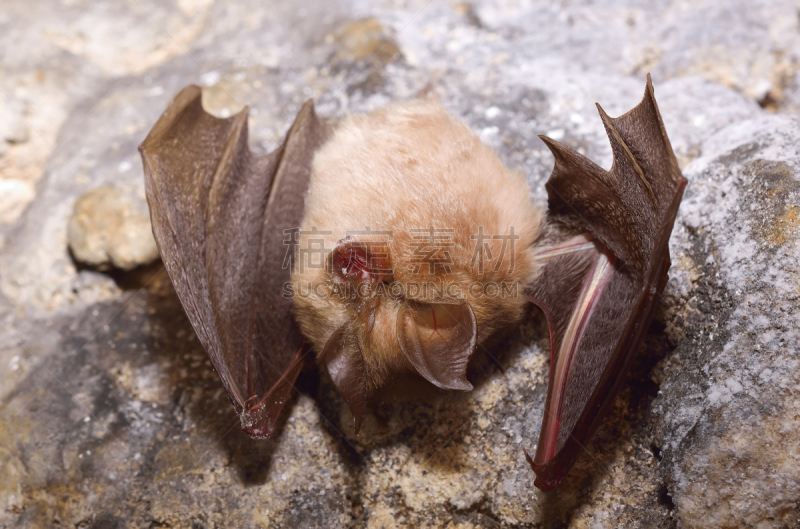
394,243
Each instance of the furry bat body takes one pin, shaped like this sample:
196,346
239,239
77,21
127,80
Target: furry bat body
398,242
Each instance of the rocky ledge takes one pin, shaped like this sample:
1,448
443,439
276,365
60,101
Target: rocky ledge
111,415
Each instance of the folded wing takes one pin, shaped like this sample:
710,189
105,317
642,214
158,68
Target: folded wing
606,257
220,216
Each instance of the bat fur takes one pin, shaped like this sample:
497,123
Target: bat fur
404,197
409,166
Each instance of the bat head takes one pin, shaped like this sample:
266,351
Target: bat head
387,331
414,239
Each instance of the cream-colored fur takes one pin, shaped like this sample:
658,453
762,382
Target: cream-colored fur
410,166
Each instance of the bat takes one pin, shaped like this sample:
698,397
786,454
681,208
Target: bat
393,244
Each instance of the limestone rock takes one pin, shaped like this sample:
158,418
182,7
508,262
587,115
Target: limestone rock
16,194
728,400
108,228
13,127
111,414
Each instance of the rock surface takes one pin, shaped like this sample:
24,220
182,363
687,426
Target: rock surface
110,414
108,229
728,405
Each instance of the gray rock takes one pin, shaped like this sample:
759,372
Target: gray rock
107,228
111,414
13,127
751,46
15,196
728,408
53,55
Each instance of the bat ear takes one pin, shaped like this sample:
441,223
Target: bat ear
438,339
344,361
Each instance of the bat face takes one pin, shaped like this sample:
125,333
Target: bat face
396,242
416,245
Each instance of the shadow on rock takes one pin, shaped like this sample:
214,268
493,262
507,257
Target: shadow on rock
199,398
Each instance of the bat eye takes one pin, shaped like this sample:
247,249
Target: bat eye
350,261
359,261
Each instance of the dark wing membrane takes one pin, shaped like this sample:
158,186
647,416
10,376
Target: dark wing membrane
219,215
606,258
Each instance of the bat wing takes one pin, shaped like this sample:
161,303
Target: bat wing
605,257
219,216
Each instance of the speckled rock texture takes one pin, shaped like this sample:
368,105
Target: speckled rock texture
108,229
728,406
110,413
